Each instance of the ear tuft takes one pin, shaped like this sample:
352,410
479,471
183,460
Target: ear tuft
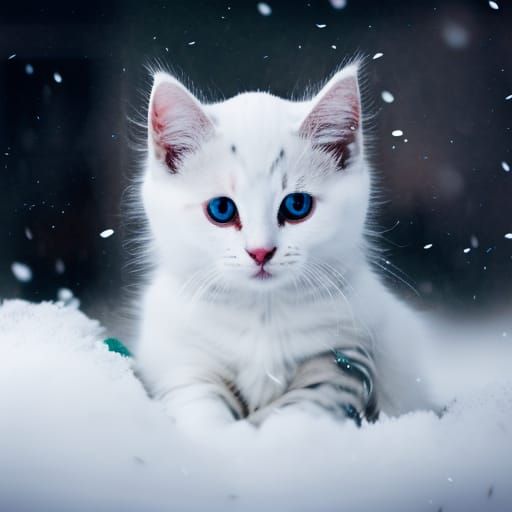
177,122
334,122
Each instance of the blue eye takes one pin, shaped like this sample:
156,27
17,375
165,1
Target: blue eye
295,207
221,209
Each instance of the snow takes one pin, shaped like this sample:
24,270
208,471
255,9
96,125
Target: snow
78,432
29,69
508,236
493,5
387,97
12,56
397,133
22,272
509,97
428,246
505,166
467,249
378,55
321,25
57,77
264,9
107,233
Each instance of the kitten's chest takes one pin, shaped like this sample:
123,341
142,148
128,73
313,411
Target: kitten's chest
287,330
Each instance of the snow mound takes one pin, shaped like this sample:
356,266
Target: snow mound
78,432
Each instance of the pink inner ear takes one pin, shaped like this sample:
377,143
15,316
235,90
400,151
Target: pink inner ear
177,123
333,123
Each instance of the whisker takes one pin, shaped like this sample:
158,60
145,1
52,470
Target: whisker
330,268
397,277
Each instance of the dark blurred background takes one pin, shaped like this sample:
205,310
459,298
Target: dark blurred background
72,75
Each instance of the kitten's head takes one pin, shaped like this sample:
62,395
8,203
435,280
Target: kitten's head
256,192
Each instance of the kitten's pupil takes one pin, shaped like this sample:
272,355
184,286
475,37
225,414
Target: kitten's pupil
223,205
298,202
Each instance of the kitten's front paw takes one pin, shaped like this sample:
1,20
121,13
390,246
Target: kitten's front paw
199,417
337,383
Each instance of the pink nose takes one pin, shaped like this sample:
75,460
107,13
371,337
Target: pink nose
261,255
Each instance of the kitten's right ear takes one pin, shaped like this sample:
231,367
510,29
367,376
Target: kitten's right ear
177,124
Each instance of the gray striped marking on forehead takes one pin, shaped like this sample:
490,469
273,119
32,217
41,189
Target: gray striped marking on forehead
277,161
273,166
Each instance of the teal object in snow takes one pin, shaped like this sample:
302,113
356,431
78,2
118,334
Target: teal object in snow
114,345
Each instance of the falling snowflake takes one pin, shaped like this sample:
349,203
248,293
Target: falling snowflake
64,294
387,97
493,5
29,69
57,77
191,43
509,97
264,9
455,35
505,166
11,56
338,4
508,236
378,55
22,272
106,233
274,378
321,25
428,246
66,297
397,133
28,234
60,268
467,249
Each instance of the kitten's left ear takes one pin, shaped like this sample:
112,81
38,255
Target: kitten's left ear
334,122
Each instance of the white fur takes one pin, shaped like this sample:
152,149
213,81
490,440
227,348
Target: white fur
206,321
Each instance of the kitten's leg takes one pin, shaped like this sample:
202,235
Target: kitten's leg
198,405
339,382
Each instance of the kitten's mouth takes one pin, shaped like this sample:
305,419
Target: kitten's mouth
262,274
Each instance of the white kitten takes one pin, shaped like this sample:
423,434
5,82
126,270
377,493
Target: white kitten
257,208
